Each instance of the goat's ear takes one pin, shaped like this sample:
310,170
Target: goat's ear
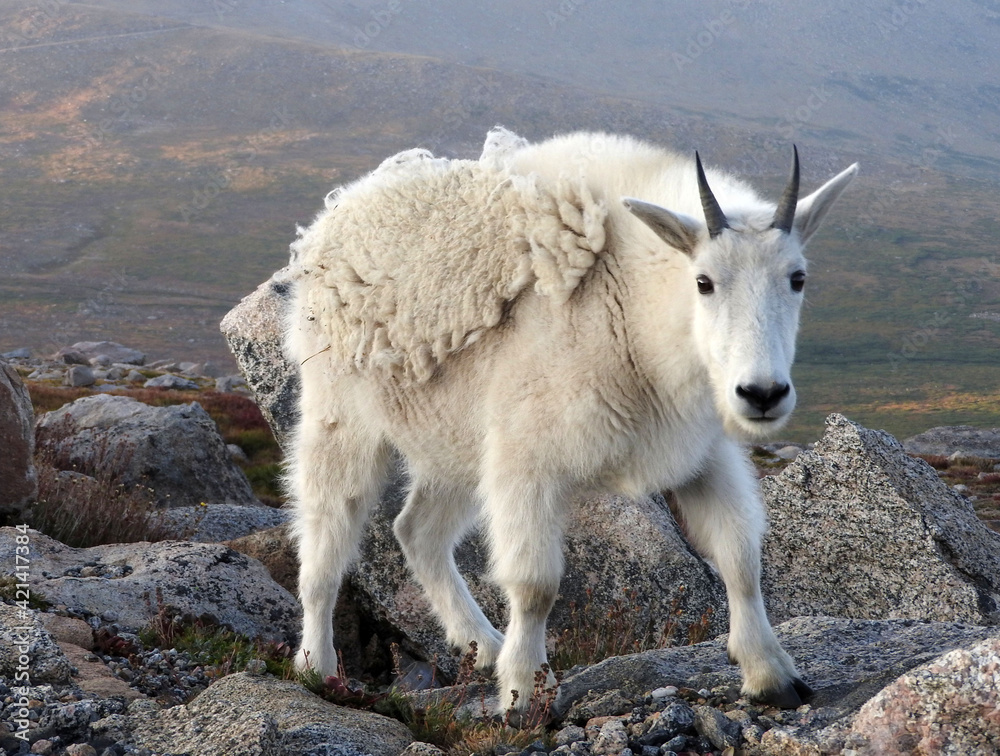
811,210
679,231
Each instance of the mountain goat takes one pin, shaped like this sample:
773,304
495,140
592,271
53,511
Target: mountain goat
522,331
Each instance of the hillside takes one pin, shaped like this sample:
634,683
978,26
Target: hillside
154,168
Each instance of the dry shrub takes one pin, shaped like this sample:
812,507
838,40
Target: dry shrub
594,635
85,505
82,511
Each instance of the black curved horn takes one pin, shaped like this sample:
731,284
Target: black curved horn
714,217
784,216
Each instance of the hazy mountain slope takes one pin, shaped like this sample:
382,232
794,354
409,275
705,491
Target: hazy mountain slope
891,76
153,167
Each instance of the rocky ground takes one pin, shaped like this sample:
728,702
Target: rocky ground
882,576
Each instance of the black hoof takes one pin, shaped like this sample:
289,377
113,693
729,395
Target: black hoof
805,692
789,696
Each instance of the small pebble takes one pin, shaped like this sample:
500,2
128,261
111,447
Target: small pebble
663,693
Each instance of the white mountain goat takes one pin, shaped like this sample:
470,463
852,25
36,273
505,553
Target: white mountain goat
523,332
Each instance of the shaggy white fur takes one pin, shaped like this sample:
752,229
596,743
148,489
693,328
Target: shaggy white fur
523,332
403,296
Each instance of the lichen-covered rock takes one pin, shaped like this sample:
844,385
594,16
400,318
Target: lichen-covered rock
176,451
253,330
274,549
247,715
960,440
860,529
18,479
134,578
212,523
845,661
947,706
23,638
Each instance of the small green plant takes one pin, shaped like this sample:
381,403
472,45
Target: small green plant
10,593
266,482
219,650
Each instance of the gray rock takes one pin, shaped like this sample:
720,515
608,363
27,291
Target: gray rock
163,365
236,453
16,354
213,523
70,356
956,440
845,661
676,719
249,715
947,705
170,381
570,734
114,351
721,731
611,740
176,451
79,375
196,578
860,529
23,638
253,331
18,478
228,384
599,703
417,748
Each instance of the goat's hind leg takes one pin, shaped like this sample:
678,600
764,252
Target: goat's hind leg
725,520
526,530
431,525
336,475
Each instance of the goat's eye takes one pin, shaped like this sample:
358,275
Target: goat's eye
705,285
798,279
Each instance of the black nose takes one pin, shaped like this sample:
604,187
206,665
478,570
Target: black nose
763,398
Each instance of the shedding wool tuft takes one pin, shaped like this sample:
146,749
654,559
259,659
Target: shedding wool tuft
414,261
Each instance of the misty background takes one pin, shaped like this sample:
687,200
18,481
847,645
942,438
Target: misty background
155,157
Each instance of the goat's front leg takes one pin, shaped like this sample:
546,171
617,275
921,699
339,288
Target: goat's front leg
525,529
725,519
